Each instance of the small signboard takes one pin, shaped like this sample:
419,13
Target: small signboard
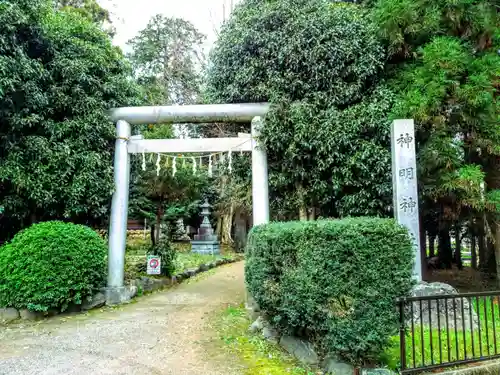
154,265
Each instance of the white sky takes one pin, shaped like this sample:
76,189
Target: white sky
131,16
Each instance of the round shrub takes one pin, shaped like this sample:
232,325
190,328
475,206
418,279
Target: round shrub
51,265
333,282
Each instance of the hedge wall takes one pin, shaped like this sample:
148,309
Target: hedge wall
333,282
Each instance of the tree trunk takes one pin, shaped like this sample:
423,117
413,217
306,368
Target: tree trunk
492,180
481,241
445,252
491,264
159,216
432,229
302,202
432,246
218,227
227,225
482,253
240,231
497,251
424,270
152,234
423,240
312,214
302,213
458,248
473,252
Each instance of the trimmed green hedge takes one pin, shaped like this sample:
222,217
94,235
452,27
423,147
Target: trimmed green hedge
50,266
333,282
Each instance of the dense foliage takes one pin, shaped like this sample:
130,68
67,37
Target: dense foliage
59,74
295,50
443,58
313,60
162,196
339,160
407,25
333,282
51,265
89,9
338,73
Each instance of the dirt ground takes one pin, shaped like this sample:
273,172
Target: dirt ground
166,332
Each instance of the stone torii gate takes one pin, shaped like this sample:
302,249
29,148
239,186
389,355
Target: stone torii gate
127,144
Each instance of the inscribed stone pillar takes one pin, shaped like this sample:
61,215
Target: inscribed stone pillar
404,182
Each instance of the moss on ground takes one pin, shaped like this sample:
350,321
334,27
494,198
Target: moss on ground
185,261
258,356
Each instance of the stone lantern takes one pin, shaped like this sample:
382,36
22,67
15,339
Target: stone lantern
205,242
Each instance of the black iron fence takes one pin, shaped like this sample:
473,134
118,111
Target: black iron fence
448,330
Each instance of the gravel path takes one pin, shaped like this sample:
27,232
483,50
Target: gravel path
163,333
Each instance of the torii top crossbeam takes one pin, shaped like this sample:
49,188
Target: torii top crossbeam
190,113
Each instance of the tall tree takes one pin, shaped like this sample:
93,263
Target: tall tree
446,65
167,59
89,9
327,133
59,76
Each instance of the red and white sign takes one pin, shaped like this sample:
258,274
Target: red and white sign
154,265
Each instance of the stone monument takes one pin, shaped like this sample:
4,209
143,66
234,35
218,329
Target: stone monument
404,179
180,231
404,184
205,242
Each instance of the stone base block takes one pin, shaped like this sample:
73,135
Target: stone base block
117,295
459,309
8,315
205,247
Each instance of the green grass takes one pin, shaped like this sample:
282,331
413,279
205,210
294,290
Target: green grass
454,344
137,248
258,356
191,260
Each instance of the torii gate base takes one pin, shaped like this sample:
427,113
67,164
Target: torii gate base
116,292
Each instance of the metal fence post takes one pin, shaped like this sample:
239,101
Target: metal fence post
402,333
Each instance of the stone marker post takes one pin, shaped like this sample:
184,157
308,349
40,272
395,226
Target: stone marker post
404,184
